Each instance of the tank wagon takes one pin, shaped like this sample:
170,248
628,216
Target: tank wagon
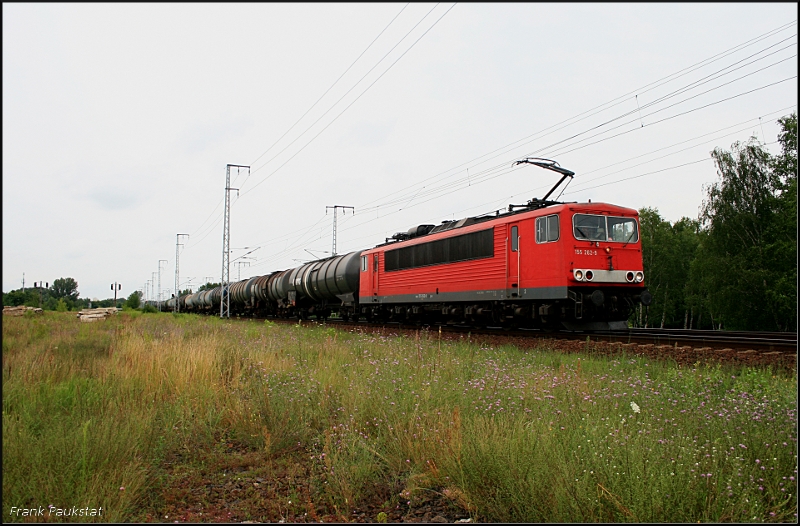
545,264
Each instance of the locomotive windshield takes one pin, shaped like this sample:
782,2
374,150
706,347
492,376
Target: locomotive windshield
603,228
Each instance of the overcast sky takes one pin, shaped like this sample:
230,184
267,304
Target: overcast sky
119,121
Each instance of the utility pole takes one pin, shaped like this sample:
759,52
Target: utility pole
335,207
225,298
115,287
239,264
39,286
177,271
23,285
153,285
159,282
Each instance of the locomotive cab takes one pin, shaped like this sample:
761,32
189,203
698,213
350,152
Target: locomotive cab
605,273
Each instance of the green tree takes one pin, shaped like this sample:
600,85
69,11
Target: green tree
108,302
66,288
208,286
133,300
782,232
667,252
745,273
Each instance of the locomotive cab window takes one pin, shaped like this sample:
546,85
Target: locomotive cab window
547,229
363,263
602,228
622,229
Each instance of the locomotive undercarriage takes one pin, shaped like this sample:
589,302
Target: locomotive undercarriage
548,316
583,310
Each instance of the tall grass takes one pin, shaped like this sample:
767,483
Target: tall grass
508,435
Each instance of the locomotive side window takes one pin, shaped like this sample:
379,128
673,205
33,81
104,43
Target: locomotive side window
547,229
602,228
465,247
514,239
363,263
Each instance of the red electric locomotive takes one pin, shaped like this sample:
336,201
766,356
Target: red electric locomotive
544,264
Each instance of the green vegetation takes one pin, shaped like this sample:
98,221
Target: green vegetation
126,412
208,286
66,288
60,296
134,300
735,268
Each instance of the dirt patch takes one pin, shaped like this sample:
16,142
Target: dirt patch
236,484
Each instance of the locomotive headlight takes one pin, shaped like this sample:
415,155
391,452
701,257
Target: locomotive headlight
629,276
639,277
589,275
579,275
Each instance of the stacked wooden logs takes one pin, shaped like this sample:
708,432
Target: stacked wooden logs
89,315
20,310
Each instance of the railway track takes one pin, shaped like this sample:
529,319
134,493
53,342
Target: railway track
739,340
782,347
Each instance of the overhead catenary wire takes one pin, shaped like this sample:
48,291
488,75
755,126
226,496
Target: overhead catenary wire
325,93
507,170
500,168
576,188
539,151
643,89
304,114
619,100
348,106
546,150
527,192
340,78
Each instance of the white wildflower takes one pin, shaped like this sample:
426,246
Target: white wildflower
635,407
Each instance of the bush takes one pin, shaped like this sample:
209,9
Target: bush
133,301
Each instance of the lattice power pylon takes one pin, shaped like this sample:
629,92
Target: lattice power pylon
178,244
335,208
225,298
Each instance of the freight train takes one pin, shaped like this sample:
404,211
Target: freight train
545,264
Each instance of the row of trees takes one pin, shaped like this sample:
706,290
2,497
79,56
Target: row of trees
63,295
735,267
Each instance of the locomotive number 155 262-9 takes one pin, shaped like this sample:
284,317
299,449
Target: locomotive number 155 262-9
585,252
